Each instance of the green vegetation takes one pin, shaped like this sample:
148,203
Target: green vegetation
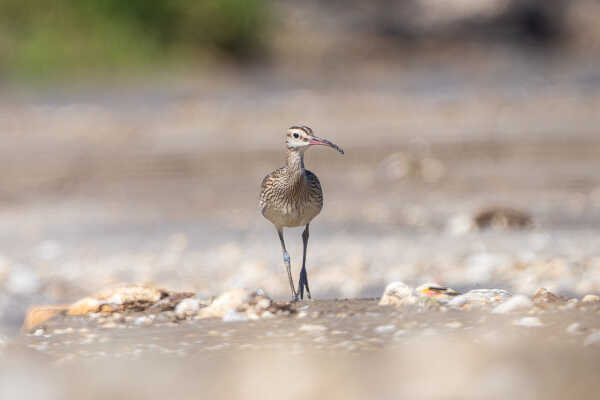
58,38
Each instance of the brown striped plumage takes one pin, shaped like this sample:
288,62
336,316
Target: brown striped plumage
292,196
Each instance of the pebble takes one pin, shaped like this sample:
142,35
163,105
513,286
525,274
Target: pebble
383,329
590,298
396,294
529,322
187,307
87,305
575,329
130,294
234,316
515,303
593,338
454,324
144,320
227,301
543,297
312,328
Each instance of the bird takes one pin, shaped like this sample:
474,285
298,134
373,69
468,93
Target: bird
291,196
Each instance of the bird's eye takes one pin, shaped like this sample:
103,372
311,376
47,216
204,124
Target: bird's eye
296,135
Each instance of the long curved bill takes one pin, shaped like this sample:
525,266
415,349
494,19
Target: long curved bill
317,141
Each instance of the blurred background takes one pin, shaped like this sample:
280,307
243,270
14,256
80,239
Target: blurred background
135,136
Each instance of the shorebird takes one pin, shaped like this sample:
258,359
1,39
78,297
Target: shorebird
291,196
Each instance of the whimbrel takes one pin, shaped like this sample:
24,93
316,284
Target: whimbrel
291,196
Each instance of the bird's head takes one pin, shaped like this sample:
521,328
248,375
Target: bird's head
301,137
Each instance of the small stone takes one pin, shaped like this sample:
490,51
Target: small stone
575,329
529,322
87,305
515,303
235,316
502,218
544,297
453,324
131,294
383,329
118,317
301,314
593,338
37,315
394,293
312,328
590,298
144,320
38,332
109,325
186,308
230,300
460,224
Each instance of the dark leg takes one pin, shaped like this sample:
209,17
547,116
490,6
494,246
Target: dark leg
286,260
303,283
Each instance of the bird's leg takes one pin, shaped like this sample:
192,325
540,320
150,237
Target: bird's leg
303,283
286,260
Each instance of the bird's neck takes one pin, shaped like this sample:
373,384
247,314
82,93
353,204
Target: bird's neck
295,162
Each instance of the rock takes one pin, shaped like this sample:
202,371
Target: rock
502,218
515,303
397,293
144,320
87,305
37,315
313,328
385,329
544,298
431,169
132,296
575,329
480,297
590,298
230,300
529,322
454,324
234,316
169,302
460,224
253,305
593,338
187,308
